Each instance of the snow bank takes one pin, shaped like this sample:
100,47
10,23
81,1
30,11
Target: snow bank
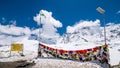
114,55
55,63
73,46
30,50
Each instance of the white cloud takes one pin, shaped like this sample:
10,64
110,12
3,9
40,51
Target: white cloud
118,12
7,40
36,31
14,30
49,24
71,29
12,33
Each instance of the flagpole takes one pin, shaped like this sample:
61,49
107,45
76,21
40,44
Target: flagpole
22,49
39,39
10,49
41,14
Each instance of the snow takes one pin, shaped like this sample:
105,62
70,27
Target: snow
81,24
57,63
73,46
114,55
83,39
30,50
31,47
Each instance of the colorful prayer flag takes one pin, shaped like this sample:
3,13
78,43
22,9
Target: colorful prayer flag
82,55
42,15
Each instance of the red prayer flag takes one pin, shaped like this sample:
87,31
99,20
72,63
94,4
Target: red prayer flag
96,48
60,51
84,51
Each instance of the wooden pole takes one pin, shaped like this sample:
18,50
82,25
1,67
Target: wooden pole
22,50
39,49
10,50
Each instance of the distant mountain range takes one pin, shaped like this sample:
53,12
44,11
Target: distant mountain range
85,34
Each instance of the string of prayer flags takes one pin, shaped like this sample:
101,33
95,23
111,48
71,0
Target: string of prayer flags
96,53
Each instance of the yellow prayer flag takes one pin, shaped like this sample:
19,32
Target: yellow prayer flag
16,47
92,52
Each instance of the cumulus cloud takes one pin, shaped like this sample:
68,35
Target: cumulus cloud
36,31
11,28
49,24
7,40
14,30
11,33
71,29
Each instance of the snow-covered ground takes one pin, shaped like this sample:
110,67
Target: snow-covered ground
82,37
57,63
73,46
114,55
31,50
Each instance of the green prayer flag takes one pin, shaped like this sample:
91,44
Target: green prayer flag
42,15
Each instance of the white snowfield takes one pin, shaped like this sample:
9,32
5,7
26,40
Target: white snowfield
114,55
57,63
73,46
31,49
30,52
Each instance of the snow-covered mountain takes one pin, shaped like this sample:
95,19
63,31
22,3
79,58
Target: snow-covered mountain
92,34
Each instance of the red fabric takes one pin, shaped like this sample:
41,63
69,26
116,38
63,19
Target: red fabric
84,51
65,51
60,51
50,48
96,48
78,51
81,51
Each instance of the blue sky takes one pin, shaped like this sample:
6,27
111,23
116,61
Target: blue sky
66,11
